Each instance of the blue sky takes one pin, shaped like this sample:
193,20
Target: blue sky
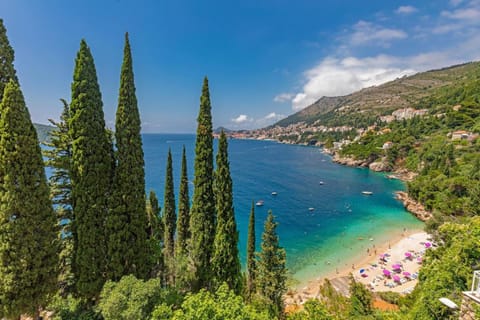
265,59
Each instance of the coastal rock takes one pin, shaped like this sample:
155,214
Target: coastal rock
349,161
412,206
378,166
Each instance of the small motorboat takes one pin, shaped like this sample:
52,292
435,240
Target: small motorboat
259,203
311,209
274,193
367,193
321,183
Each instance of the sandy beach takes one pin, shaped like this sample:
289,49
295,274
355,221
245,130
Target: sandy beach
401,257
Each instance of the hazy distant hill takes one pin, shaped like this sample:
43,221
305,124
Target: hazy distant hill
399,93
219,130
43,131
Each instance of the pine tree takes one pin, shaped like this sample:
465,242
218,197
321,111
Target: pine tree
28,232
169,216
183,220
251,261
127,221
7,56
154,236
271,276
59,157
202,215
91,175
225,262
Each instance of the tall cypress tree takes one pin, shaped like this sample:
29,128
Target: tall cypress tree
183,220
7,70
169,216
28,233
251,261
127,221
59,157
225,262
202,216
91,175
272,273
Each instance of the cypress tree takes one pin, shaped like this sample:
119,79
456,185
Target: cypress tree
91,175
28,232
225,263
59,157
202,216
7,56
127,221
271,268
169,216
251,261
183,220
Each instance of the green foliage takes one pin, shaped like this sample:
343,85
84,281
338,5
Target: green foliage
225,262
127,249
224,304
313,310
7,56
183,221
28,232
361,300
272,273
91,175
130,298
154,236
71,308
59,157
202,215
251,261
169,221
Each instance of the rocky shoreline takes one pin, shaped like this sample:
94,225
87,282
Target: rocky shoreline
412,206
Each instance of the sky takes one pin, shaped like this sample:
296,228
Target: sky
265,59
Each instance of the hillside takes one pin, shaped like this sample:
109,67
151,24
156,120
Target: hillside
43,131
399,93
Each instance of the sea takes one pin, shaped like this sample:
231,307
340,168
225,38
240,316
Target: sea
324,220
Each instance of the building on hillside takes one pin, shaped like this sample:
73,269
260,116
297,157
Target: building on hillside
460,135
471,299
387,145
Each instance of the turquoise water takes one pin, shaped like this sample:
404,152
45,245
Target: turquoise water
316,241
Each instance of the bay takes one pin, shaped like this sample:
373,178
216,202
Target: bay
343,223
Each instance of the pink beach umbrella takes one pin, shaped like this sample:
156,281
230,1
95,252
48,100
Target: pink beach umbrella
396,278
419,260
386,272
428,244
408,254
406,274
396,266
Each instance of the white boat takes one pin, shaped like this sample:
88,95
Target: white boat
321,182
367,193
311,209
274,193
259,203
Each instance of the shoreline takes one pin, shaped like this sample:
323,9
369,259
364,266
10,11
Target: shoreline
396,246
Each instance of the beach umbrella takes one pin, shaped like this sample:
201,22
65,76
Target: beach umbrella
396,266
408,254
396,278
362,270
406,274
364,275
419,259
386,272
428,244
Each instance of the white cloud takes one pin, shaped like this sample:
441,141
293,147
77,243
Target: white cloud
463,14
283,97
366,32
273,115
406,10
335,77
241,119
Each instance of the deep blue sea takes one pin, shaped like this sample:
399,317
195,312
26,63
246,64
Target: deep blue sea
316,241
